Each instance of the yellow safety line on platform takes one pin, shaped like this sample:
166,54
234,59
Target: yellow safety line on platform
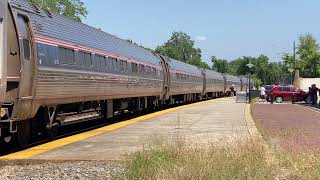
37,150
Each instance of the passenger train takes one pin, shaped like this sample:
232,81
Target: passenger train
52,66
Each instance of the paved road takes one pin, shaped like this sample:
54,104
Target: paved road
289,126
218,121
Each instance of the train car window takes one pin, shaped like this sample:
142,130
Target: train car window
26,49
123,66
70,56
142,69
81,58
87,60
177,75
66,56
103,63
109,64
96,62
154,71
148,70
62,55
115,65
134,68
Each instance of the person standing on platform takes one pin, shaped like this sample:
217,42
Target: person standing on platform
313,93
232,90
263,93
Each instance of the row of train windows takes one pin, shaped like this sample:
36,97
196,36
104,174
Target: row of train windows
230,82
187,77
142,69
67,56
214,81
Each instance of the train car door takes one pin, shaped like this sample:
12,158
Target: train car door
25,39
166,77
3,49
225,84
204,88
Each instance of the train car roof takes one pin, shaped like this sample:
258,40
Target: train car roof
214,74
184,67
65,29
232,78
244,79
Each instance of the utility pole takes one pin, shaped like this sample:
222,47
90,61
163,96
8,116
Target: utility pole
294,55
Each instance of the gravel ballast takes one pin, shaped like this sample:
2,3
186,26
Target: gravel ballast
62,170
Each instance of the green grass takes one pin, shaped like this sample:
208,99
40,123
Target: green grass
178,160
181,161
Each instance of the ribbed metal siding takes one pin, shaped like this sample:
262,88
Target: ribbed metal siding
65,86
184,67
214,75
232,78
63,28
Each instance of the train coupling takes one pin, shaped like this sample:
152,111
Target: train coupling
7,125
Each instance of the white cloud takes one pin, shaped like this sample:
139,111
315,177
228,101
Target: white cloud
201,38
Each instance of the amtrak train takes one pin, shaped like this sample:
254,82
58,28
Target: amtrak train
52,67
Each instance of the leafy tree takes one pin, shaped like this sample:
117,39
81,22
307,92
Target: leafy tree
74,9
308,61
263,71
308,50
239,66
261,65
276,73
289,60
181,47
219,65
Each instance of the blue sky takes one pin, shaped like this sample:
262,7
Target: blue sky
224,28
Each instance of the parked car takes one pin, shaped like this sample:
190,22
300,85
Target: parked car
287,93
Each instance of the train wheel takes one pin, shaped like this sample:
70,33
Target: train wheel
53,132
23,134
104,111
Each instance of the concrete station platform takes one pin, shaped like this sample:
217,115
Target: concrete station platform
211,122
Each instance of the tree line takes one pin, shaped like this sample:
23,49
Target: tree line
180,46
306,60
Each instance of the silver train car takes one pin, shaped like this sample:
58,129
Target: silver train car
52,67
